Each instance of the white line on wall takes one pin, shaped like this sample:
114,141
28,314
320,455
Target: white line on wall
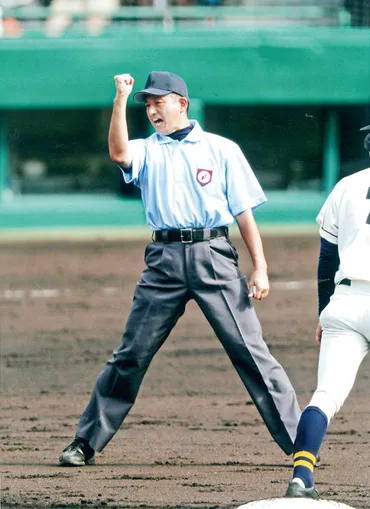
50,293
294,285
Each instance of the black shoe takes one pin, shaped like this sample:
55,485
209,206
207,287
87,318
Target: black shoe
295,490
77,454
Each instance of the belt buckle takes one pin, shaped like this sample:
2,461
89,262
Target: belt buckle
185,231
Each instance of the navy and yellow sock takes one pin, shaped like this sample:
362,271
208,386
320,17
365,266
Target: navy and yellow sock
304,463
310,434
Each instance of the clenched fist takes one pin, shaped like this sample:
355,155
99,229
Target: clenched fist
124,84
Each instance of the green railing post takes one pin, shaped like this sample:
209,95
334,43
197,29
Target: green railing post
196,111
4,154
331,156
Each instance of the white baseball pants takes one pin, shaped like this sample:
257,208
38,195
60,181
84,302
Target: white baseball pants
344,344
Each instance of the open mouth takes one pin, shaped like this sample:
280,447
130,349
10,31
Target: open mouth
158,122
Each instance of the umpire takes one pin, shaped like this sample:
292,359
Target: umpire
193,185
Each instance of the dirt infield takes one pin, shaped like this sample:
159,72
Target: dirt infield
193,439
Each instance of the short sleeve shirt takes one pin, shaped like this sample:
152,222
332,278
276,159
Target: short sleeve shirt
345,221
202,181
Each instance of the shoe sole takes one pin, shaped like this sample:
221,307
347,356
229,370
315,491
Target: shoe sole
67,462
295,491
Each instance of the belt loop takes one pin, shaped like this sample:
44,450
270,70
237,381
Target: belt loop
207,234
164,235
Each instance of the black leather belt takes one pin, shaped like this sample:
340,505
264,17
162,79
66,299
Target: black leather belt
190,235
346,282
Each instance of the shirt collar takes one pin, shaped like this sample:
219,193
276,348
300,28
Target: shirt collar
193,137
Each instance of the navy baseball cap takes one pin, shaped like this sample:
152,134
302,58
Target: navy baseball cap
162,83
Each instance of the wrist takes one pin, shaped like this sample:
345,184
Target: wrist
260,265
120,100
260,268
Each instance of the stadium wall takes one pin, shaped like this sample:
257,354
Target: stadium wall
322,66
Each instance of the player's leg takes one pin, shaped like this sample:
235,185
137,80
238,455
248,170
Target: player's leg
159,300
341,353
223,298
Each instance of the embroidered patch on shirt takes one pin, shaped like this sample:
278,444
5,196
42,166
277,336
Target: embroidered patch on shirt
204,177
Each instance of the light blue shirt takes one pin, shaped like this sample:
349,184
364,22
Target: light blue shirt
203,181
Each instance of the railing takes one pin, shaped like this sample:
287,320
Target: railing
23,21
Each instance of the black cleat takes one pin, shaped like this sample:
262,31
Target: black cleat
77,454
295,490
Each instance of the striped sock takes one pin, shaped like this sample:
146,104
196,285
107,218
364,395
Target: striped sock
304,463
310,434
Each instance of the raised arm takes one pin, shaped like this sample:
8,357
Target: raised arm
119,149
258,282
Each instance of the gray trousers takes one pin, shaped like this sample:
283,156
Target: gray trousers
207,272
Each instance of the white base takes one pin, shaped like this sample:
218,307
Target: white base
294,503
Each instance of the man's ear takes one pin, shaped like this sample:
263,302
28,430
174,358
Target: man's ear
184,103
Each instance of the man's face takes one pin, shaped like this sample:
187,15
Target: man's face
166,113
